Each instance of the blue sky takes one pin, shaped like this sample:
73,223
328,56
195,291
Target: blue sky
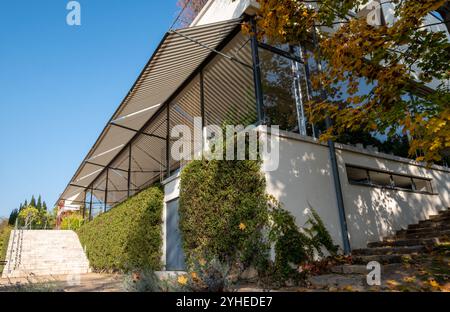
59,84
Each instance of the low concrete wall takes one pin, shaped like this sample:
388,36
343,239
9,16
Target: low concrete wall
304,180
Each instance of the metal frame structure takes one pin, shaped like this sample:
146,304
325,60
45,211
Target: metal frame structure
163,114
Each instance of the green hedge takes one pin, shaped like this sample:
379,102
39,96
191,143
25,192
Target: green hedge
129,236
5,233
223,208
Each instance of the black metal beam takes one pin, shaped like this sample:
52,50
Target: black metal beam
202,100
106,188
168,142
129,171
335,168
85,203
278,51
257,73
136,131
90,206
188,80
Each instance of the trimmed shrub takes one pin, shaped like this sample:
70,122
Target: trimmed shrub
128,237
226,216
223,211
5,233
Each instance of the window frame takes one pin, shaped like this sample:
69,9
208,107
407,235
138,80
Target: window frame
392,185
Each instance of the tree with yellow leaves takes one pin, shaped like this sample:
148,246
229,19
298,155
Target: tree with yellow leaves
373,78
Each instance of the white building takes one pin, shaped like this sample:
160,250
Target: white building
208,70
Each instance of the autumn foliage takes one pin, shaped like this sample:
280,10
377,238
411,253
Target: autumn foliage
374,78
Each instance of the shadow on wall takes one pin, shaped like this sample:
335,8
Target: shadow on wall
304,180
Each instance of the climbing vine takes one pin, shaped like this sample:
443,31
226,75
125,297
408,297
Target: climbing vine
226,216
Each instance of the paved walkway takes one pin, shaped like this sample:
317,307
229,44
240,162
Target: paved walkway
64,283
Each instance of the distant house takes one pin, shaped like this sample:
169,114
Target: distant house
211,70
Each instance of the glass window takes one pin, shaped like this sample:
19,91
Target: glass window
403,182
357,175
422,185
278,89
380,178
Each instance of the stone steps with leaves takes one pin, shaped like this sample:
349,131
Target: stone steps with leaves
416,239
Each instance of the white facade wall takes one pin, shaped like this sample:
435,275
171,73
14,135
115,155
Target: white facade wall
304,180
223,10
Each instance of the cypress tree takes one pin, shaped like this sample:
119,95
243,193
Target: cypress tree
33,201
44,206
39,203
13,217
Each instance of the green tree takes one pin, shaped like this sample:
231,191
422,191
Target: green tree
33,201
13,216
39,203
44,206
388,62
29,216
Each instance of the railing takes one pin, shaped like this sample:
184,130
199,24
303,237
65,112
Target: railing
15,252
11,251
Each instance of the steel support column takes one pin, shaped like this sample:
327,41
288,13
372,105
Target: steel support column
90,204
338,189
129,172
85,204
106,189
335,171
257,74
202,107
168,142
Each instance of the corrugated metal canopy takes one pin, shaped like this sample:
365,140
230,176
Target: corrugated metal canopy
179,54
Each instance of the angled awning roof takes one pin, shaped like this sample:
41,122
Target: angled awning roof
179,54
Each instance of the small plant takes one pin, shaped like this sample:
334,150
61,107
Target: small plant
72,222
148,281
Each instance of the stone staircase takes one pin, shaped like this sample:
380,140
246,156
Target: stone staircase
418,238
44,253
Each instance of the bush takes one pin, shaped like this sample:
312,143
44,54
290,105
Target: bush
223,212
72,222
295,247
5,232
226,216
129,236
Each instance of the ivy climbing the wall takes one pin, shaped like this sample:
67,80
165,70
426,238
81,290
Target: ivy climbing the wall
226,215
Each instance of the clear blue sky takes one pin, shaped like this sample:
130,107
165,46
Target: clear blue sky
59,85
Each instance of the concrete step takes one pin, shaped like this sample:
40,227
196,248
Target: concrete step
429,242
43,253
440,217
426,230
429,224
382,259
389,250
442,235
360,269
